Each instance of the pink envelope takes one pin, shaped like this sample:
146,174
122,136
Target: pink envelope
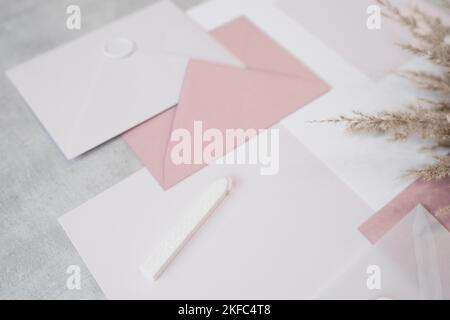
273,85
433,195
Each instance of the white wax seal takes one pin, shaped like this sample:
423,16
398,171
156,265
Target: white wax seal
119,48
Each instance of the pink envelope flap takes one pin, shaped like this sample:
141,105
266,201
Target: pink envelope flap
433,195
273,85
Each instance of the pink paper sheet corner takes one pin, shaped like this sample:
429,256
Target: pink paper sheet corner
433,195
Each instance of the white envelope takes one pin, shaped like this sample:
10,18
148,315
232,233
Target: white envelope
280,236
413,262
96,87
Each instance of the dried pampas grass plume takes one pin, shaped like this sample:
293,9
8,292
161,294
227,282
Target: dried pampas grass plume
428,120
436,171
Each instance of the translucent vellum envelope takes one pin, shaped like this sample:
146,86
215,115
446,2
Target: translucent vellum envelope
96,87
412,261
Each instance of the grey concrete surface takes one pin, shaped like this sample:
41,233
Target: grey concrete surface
37,184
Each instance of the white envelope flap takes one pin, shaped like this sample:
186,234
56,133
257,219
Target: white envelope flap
148,84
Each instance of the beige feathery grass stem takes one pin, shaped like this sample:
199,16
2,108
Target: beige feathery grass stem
428,119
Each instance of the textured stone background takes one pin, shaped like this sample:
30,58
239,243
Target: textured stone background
37,184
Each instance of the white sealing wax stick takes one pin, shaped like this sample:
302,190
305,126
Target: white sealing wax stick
195,216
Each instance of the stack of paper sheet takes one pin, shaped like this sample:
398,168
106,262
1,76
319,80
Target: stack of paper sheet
295,234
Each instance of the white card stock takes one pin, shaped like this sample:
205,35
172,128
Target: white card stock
279,236
215,13
96,87
411,262
322,60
